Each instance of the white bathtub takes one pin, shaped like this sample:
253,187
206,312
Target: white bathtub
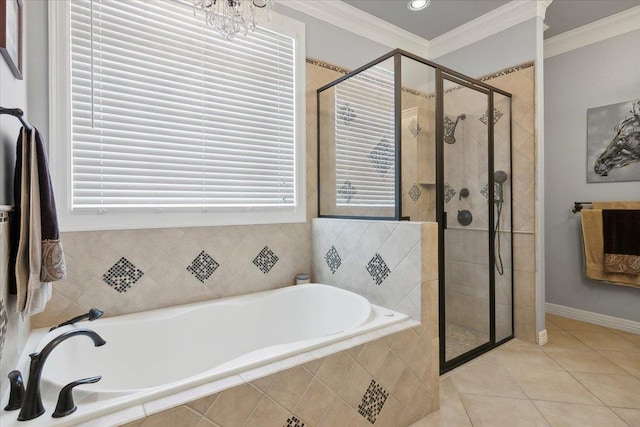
156,353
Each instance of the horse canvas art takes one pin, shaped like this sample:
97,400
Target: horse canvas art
613,142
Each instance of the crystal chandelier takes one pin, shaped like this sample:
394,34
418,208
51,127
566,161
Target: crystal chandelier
230,17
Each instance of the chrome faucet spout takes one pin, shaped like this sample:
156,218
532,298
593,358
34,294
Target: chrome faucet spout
32,406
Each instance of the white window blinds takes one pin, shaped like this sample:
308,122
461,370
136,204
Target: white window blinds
168,115
365,148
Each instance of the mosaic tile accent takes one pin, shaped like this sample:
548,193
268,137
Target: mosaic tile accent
382,156
414,128
496,116
203,266
449,192
415,193
449,127
346,114
347,191
333,259
373,401
293,422
122,275
485,191
378,269
265,260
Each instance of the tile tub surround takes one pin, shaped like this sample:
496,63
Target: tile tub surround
390,381
390,263
129,271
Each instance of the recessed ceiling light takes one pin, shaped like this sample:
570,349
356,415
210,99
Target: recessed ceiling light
418,4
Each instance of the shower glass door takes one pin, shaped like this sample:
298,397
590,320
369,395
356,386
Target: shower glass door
465,200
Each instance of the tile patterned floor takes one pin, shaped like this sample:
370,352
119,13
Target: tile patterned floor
460,340
586,376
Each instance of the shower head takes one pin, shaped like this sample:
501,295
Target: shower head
450,130
500,177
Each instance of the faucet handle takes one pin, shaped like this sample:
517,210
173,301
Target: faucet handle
65,405
16,392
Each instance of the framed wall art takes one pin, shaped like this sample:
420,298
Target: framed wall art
11,35
613,142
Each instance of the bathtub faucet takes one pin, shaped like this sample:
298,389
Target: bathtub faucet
92,315
32,405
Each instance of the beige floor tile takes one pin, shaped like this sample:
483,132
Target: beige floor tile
574,325
562,340
629,361
605,341
549,325
576,415
630,416
500,411
585,362
614,390
555,386
529,358
486,377
634,338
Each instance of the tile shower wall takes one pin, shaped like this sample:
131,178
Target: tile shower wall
468,303
380,260
388,382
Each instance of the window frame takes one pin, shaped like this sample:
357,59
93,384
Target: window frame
60,145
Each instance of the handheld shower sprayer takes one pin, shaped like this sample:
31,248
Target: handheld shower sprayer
499,178
450,129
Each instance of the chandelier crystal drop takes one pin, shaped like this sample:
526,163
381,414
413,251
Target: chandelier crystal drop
230,17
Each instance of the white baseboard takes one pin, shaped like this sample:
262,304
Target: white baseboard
542,337
595,318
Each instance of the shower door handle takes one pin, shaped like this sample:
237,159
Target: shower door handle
444,220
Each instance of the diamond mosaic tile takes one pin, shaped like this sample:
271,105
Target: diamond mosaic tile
449,127
496,116
382,156
346,114
449,192
333,259
414,128
347,191
414,192
122,275
373,401
293,422
203,266
378,269
485,190
265,260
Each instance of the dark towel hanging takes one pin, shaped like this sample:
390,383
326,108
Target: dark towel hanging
621,235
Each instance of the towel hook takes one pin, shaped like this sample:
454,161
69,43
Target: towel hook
16,112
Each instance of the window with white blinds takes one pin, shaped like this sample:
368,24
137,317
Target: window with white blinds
167,115
365,148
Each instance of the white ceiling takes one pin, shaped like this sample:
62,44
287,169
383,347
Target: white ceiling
445,15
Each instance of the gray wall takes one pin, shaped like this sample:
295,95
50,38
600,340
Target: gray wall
513,46
600,74
334,45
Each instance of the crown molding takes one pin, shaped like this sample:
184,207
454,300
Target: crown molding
352,19
500,19
603,29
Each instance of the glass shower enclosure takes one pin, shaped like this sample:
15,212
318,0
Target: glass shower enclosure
403,138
